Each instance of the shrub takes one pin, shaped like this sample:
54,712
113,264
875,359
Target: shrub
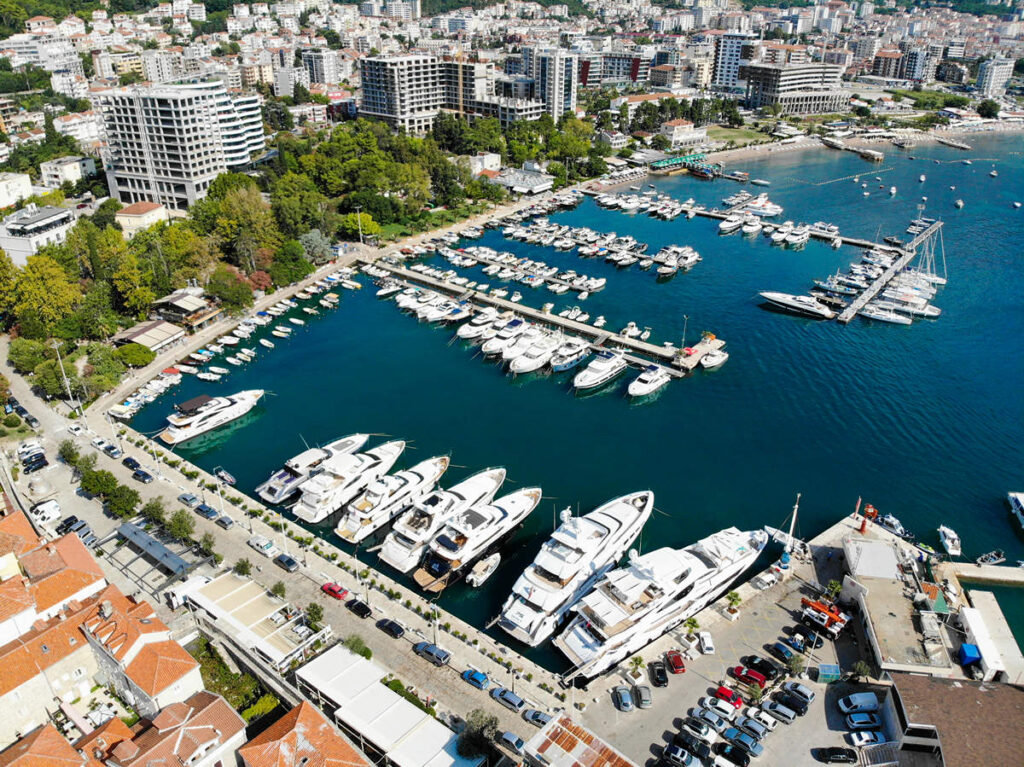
278,589
355,644
12,421
263,706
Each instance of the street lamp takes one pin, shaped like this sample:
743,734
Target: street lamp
359,222
67,385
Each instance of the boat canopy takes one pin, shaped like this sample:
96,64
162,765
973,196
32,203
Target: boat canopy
192,405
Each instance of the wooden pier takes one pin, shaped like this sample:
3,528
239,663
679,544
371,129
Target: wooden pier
514,266
909,252
678,361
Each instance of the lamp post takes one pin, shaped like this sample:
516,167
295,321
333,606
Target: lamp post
67,385
359,222
686,321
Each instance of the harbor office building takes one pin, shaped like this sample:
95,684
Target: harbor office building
799,89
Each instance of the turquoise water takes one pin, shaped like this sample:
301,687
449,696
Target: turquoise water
925,421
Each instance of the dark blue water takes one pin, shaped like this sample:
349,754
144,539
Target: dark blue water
926,421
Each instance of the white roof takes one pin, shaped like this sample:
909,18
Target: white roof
974,623
871,559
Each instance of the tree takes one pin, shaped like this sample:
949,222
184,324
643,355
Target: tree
44,293
181,525
350,226
227,284
245,225
104,215
298,205
734,599
8,281
290,264
207,544
833,588
131,285
278,589
989,109
243,566
26,355
101,483
862,111
692,626
228,182
316,247
154,510
635,664
478,735
860,670
68,452
661,142
122,501
315,613
135,355
277,117
796,664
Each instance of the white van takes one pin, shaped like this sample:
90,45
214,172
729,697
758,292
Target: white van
45,512
264,546
859,703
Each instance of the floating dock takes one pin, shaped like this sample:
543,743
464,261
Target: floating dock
910,251
953,143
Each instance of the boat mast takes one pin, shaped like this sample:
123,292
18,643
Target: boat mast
792,524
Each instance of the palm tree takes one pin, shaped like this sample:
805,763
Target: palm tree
734,599
635,664
692,626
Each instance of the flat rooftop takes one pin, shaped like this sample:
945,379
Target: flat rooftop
902,629
1000,633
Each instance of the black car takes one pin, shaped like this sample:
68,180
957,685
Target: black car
34,467
692,743
359,608
66,524
764,667
142,476
837,755
793,703
286,562
733,754
35,457
659,676
32,421
131,463
812,638
391,628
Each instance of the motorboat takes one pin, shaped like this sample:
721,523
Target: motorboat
342,478
798,236
204,376
538,355
634,605
205,413
473,328
950,540
996,557
284,483
470,534
577,554
730,224
523,343
778,237
653,378
507,335
388,497
605,367
404,546
569,355
714,359
805,306
880,314
894,526
751,227
224,476
483,570
267,343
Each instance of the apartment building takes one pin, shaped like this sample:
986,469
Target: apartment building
810,88
24,232
993,75
728,55
14,187
162,66
167,143
556,74
887,63
55,173
322,65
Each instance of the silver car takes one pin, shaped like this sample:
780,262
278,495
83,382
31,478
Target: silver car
751,726
717,723
642,694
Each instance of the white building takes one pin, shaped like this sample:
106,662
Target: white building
24,232
683,133
556,76
728,53
14,187
55,173
168,143
286,78
322,65
993,75
140,216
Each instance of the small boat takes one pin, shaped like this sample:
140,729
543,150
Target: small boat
233,360
760,182
296,321
1016,205
894,526
188,369
921,178
892,190
714,358
993,173
950,540
223,476
204,376
483,570
516,297
219,371
278,333
309,310
959,203
996,557
268,344
649,381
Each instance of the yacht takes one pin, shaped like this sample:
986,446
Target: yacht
579,552
881,314
605,367
752,226
389,496
950,540
342,478
284,483
405,544
504,337
779,236
569,355
470,535
649,381
205,413
799,236
730,224
894,526
802,305
638,603
538,355
714,358
475,327
1016,501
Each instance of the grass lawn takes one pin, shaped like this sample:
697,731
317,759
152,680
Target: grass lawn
741,136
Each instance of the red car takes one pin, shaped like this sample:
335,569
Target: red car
674,661
729,696
749,676
334,590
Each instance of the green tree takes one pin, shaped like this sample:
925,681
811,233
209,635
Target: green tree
101,483
298,205
243,566
131,286
228,285
734,599
228,182
290,264
316,247
8,283
315,613
135,355
43,293
68,452
26,355
207,544
105,213
181,525
122,501
155,510
661,142
989,109
245,227
796,664
478,735
278,589
350,225
692,626
47,377
635,664
129,78
860,670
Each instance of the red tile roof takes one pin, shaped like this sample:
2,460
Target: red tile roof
16,533
301,737
126,622
139,208
43,747
99,744
59,570
159,665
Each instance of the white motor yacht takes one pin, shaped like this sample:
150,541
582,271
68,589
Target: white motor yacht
507,335
388,497
880,314
473,328
579,552
470,534
752,227
405,544
284,483
730,224
523,343
569,355
636,604
342,478
538,355
803,305
799,236
779,236
950,540
205,413
605,367
714,358
649,381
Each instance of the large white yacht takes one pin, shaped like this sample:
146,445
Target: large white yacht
205,413
579,552
637,603
403,548
803,305
386,498
284,483
605,367
342,479
470,535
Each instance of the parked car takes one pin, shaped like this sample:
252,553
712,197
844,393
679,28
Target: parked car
729,695
795,641
131,463
733,754
697,746
837,755
360,608
751,725
715,720
208,512
334,590
66,524
764,667
678,756
725,710
778,711
393,629
226,522
806,694
863,738
622,698
659,676
706,643
792,702
45,511
89,540
286,562
83,531
763,717
32,457
99,443
190,501
744,740
263,545
697,729
674,661
32,468
813,639
474,678
536,718
781,652
113,450
143,476
76,430
32,421
512,742
749,676
508,699
863,721
859,703
642,695
440,657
